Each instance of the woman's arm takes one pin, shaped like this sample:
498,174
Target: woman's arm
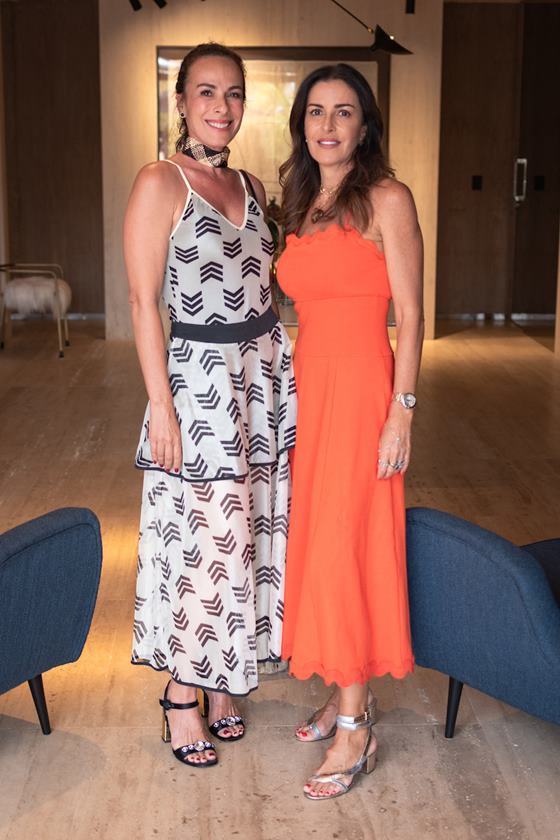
147,227
397,221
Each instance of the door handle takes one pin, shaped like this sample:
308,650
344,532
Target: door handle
519,180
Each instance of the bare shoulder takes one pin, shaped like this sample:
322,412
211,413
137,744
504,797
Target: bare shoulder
157,190
391,197
155,176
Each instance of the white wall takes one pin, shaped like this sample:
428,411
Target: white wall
128,96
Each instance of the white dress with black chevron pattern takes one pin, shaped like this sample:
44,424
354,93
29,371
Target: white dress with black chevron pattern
211,556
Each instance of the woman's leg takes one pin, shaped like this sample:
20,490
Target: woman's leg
223,706
186,724
323,719
262,500
347,746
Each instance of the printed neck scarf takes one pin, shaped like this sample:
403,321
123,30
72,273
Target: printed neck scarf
198,151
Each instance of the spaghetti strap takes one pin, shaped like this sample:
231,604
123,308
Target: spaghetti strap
248,184
181,170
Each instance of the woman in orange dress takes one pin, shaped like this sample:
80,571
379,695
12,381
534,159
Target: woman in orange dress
353,245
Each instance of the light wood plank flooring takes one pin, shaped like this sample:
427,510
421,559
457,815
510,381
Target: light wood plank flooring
487,447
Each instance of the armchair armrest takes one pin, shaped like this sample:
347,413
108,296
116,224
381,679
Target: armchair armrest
32,533
488,593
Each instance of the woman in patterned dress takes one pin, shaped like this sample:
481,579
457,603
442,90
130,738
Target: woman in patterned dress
220,418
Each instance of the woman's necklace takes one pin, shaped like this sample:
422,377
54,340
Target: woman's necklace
319,213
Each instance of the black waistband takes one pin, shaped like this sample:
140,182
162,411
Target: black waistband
226,333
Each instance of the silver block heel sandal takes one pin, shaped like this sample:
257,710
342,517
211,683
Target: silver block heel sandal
365,764
311,727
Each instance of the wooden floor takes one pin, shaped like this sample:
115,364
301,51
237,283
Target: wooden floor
487,447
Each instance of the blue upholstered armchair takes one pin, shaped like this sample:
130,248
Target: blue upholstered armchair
485,612
49,575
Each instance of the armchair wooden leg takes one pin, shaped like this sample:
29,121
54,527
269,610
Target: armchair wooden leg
453,700
38,694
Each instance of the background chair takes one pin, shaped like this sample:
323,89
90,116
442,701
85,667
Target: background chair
49,576
39,288
485,612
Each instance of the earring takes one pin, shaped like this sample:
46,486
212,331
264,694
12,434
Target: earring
182,114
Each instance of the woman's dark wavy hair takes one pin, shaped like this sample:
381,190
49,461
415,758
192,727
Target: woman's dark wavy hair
299,175
202,51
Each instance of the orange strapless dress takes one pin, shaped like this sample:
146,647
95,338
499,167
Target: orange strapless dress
346,606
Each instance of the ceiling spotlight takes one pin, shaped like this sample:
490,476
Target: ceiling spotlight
386,43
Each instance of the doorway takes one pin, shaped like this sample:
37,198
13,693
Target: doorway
499,194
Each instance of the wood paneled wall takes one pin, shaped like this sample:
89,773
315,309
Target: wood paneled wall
53,140
478,141
3,190
128,94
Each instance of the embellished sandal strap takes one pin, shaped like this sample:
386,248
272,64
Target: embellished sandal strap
224,723
167,705
183,753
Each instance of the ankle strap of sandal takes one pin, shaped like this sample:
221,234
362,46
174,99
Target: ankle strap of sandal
353,723
167,705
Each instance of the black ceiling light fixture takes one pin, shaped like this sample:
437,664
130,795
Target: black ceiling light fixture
382,42
137,5
386,43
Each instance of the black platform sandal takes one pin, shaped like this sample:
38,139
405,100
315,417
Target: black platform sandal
182,753
222,723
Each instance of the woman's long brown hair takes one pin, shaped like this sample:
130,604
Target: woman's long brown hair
299,175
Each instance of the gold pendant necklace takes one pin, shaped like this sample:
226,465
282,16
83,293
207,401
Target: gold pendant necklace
326,211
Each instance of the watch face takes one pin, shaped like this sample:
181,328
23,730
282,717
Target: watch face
409,400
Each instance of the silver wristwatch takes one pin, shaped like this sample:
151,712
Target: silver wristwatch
406,400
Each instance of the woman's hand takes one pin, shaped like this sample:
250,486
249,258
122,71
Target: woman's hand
165,437
394,442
